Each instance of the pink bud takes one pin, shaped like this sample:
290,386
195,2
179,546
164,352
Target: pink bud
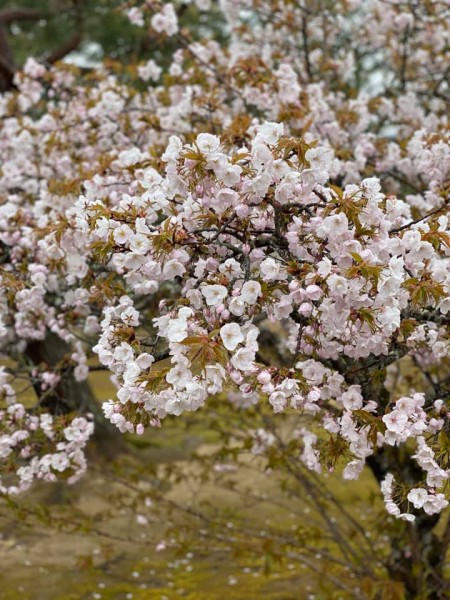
236,377
314,292
313,396
305,309
242,211
264,377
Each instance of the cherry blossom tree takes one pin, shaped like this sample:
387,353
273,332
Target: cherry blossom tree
288,186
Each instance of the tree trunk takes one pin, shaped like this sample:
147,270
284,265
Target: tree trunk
417,554
71,395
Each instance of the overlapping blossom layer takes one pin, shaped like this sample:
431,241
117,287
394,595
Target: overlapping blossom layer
239,193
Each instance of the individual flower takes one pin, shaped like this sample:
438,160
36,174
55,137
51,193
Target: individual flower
319,157
269,133
122,234
271,269
352,398
128,158
231,335
214,294
237,306
243,359
396,421
418,496
173,268
135,16
150,71
251,290
207,143
130,316
165,21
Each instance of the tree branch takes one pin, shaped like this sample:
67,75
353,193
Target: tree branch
7,67
21,14
306,48
430,214
65,49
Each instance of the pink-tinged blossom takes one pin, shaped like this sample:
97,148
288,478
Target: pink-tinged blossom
396,421
250,292
231,336
207,144
321,226
214,294
165,21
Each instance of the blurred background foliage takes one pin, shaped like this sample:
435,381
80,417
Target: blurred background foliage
94,30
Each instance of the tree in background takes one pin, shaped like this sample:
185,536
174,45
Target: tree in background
285,187
85,32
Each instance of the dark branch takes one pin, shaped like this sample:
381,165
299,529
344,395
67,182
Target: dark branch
306,48
430,214
21,14
7,67
65,49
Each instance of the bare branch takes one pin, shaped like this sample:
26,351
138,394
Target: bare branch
306,48
430,214
7,68
21,14
65,49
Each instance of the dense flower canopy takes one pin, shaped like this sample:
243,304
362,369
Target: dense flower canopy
293,180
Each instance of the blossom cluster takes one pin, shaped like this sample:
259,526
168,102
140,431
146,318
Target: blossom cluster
244,192
38,447
335,267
